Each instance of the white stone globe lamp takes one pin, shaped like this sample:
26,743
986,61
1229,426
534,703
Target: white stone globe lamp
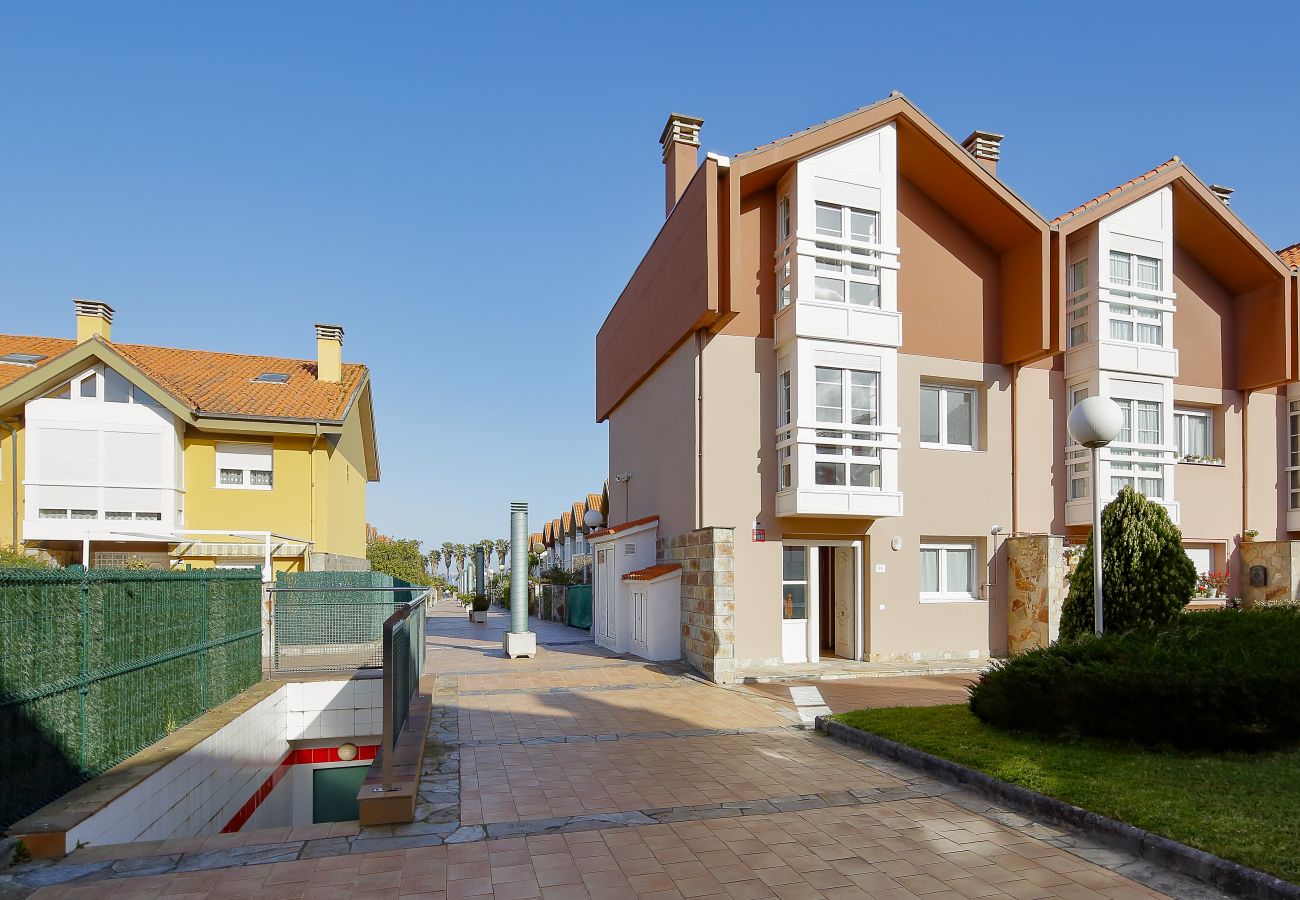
1095,422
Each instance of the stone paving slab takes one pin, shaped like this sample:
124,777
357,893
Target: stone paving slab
683,808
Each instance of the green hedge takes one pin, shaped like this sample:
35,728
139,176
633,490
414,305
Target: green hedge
95,666
1218,680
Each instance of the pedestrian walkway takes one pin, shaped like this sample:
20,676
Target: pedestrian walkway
579,774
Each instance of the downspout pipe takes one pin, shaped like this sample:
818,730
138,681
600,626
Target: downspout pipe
1015,453
13,480
311,500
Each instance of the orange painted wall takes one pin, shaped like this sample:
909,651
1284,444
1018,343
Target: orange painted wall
668,297
1204,326
948,283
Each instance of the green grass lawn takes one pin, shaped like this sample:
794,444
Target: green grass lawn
1242,807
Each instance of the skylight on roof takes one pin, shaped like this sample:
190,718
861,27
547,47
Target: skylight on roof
272,378
22,359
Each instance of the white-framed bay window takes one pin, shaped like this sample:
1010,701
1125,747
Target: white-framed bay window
1130,464
848,398
948,417
842,269
948,571
1136,324
1136,271
1293,456
245,466
784,454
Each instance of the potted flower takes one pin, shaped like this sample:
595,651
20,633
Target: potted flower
1249,535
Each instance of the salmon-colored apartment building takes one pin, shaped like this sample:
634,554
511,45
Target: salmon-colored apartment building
837,386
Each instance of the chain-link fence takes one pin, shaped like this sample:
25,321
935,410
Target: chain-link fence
97,665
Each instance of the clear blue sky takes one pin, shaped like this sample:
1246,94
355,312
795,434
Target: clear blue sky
467,186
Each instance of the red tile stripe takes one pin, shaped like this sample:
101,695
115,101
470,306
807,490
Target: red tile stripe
300,756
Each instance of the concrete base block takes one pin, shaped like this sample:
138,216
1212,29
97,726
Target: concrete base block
517,645
478,618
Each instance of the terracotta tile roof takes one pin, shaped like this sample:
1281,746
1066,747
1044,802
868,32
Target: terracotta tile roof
37,346
579,511
615,529
216,383
1132,182
566,523
546,535
650,573
595,501
1290,255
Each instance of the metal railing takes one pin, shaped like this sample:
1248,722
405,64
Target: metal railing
403,660
331,628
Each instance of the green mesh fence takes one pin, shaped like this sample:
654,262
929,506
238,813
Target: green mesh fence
331,621
97,665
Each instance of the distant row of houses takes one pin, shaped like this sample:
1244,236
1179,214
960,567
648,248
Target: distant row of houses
564,540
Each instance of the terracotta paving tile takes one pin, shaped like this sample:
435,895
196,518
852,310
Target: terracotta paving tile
926,848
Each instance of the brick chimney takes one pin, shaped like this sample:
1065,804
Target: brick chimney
986,147
681,143
1223,193
329,353
94,319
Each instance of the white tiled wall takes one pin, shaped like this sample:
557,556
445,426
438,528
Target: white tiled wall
198,793
329,709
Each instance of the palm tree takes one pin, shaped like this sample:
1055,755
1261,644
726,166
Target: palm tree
503,547
487,545
448,550
461,552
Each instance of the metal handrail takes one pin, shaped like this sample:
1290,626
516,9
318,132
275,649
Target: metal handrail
390,699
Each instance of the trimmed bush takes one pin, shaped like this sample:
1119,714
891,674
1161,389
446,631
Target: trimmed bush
1216,680
1147,578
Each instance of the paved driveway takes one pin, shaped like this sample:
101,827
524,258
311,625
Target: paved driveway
582,775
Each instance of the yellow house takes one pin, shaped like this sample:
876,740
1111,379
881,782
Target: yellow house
113,451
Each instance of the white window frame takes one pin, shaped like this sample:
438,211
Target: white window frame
1293,454
784,414
944,389
245,470
1135,316
807,563
1181,416
943,595
837,258
840,441
1131,260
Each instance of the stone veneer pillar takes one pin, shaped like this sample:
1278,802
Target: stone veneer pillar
708,560
1036,590
1281,560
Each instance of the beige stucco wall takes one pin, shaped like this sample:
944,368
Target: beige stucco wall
947,494
1041,481
652,435
740,481
1266,437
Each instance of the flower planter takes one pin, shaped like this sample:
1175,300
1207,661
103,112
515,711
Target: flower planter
478,617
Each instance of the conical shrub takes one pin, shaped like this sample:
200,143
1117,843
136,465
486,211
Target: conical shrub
1147,578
